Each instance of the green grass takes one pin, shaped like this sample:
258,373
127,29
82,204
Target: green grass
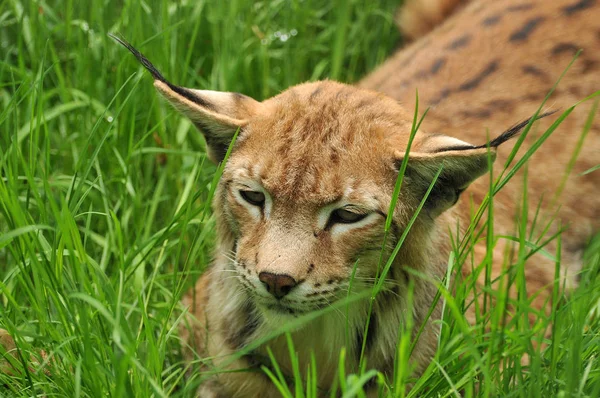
105,200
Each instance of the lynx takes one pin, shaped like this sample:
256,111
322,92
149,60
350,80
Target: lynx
306,190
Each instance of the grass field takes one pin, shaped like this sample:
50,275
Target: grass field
105,198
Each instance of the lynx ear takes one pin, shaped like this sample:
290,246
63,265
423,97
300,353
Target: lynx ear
218,115
461,163
459,169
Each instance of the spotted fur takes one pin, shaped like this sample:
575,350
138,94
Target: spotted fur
518,51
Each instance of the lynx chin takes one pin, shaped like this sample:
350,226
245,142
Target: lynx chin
302,204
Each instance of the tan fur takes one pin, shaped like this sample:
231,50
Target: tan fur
416,18
318,147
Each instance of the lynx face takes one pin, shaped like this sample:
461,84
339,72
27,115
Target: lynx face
306,194
308,186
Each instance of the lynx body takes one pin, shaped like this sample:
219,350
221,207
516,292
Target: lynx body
306,191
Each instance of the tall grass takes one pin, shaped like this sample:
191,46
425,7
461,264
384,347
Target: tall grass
105,199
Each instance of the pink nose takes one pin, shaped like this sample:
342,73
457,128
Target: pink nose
277,284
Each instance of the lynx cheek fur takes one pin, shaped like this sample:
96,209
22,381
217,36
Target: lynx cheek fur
307,187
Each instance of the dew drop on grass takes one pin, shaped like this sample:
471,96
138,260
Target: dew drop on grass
109,119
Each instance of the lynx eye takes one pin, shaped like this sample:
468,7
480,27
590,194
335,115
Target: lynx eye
344,216
255,198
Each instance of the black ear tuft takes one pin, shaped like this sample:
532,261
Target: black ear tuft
513,131
184,92
462,164
218,115
141,58
496,142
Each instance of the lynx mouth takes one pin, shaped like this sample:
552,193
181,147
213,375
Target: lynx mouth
282,309
295,310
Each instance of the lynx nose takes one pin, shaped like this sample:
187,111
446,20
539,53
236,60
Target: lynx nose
277,284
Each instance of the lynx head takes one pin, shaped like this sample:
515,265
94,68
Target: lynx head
308,185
